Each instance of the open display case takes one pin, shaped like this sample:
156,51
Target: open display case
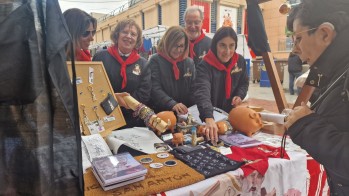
98,108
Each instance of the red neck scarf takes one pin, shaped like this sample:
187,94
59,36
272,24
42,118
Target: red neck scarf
211,59
192,44
174,64
134,56
83,55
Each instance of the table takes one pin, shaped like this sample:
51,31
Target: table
282,176
300,175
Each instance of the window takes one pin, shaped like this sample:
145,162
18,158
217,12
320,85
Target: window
285,44
159,15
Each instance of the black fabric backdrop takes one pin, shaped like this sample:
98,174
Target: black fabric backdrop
40,146
257,37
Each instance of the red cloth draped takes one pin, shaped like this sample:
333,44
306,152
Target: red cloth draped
256,157
211,59
134,56
192,44
83,55
174,64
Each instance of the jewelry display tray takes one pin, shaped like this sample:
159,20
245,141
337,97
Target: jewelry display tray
90,86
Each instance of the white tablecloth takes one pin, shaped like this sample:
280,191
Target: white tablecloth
282,177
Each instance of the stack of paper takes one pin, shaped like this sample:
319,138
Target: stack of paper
240,140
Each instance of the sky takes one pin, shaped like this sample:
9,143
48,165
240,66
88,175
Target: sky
99,6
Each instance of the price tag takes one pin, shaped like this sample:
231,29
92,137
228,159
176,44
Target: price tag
166,137
225,150
108,118
90,75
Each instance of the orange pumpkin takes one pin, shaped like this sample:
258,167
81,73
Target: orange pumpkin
170,118
245,120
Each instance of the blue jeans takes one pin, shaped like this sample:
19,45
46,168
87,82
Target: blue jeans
293,76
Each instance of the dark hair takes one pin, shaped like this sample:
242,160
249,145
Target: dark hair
77,21
221,33
114,36
171,37
312,13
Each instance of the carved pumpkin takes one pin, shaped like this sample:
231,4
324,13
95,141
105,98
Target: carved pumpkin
169,117
245,120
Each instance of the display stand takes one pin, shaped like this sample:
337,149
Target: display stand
93,88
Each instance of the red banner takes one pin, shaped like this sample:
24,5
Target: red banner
205,7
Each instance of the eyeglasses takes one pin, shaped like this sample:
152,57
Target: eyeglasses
296,39
132,34
180,47
87,33
195,23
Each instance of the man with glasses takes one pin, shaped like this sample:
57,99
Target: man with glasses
321,30
294,70
199,43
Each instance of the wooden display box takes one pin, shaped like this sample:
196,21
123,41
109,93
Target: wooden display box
93,86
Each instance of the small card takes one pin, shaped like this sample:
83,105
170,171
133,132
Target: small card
109,118
225,150
78,80
96,127
93,128
90,75
166,137
109,104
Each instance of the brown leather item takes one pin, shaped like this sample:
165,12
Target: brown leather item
109,104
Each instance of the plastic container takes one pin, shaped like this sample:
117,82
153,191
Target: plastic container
264,80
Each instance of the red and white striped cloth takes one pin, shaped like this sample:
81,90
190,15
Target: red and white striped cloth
317,182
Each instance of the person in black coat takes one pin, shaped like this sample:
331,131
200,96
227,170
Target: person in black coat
221,79
321,29
199,43
294,70
126,69
82,28
172,73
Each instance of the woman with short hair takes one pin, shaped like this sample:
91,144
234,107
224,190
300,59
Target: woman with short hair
126,69
173,73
